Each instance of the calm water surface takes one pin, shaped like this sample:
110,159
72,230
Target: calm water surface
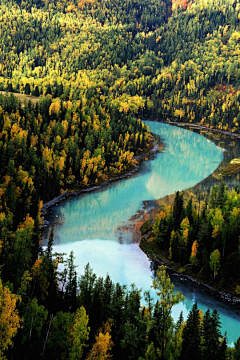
92,225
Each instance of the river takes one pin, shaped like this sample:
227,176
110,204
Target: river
93,224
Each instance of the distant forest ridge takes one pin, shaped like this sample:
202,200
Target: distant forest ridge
178,59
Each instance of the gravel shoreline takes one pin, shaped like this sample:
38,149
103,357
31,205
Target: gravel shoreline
200,127
222,295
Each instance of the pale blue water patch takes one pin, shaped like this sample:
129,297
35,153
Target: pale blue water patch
127,264
89,225
187,160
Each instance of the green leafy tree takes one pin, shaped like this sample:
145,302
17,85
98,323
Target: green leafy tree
34,318
58,343
214,262
78,334
166,300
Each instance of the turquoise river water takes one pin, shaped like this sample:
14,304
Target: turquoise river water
92,225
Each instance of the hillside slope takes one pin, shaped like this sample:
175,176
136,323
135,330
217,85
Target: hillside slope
181,58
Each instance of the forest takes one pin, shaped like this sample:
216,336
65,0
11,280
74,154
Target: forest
179,58
204,238
97,68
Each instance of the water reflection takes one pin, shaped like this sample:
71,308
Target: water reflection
186,161
127,265
94,225
232,150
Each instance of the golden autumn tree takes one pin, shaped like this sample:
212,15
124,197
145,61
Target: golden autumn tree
103,344
193,257
185,225
157,222
9,318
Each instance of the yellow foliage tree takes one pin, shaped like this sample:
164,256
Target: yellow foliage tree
185,225
103,344
193,257
54,107
158,219
9,318
194,248
172,238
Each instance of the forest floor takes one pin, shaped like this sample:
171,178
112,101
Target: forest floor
22,97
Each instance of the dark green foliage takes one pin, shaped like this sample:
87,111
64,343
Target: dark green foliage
178,211
215,227
211,335
71,284
191,348
27,89
188,211
236,354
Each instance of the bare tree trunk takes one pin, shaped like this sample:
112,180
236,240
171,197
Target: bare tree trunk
45,342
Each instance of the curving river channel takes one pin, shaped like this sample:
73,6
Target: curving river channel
92,225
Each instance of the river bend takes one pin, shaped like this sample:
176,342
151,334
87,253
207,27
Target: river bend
92,225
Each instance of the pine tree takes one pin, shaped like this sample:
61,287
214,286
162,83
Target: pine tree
236,352
71,287
27,89
191,336
211,336
178,210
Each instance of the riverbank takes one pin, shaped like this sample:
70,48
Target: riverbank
154,254
149,246
154,147
149,185
198,192
198,127
202,188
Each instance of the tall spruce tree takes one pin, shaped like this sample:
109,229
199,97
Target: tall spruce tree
191,336
211,336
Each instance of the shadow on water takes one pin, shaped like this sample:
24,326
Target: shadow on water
96,225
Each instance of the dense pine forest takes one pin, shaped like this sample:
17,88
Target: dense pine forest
204,238
97,68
